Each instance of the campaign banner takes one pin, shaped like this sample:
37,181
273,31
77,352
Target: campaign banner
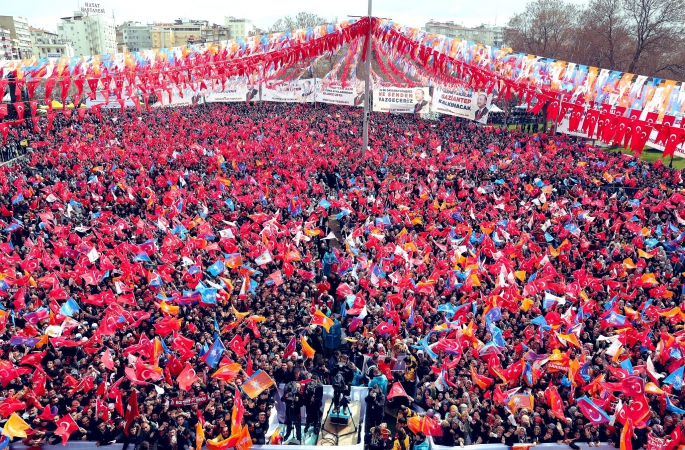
240,93
184,97
189,401
401,100
462,102
111,102
351,95
296,91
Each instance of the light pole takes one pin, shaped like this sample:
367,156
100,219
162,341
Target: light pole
367,84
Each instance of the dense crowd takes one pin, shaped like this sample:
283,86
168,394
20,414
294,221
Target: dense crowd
488,286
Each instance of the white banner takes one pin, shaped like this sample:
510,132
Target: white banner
189,97
401,100
462,102
297,91
351,95
112,101
233,94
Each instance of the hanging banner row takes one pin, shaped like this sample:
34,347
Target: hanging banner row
461,102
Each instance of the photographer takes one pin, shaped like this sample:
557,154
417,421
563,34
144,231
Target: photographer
375,407
313,400
293,403
346,369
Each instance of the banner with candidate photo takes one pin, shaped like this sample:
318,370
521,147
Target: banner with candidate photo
233,93
462,102
335,94
296,91
401,100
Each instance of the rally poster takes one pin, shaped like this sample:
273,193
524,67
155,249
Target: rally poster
401,100
335,94
462,102
233,93
296,91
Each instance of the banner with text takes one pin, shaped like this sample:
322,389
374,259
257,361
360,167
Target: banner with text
401,100
351,95
240,93
462,102
297,91
109,102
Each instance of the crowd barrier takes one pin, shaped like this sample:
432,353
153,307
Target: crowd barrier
583,446
84,445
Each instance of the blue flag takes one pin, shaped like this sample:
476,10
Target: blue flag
213,356
69,308
216,268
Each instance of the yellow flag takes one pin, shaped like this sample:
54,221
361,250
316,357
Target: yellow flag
526,304
520,274
15,427
643,254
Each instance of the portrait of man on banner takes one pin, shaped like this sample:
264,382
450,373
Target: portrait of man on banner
421,104
252,93
482,108
359,96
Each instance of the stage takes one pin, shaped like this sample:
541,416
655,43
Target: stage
347,435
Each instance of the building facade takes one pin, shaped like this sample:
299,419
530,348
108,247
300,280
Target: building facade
135,36
49,45
215,33
483,34
7,50
88,34
18,28
238,28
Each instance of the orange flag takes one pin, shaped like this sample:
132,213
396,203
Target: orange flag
257,383
306,348
319,318
481,380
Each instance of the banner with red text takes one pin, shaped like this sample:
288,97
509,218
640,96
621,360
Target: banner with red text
401,100
462,102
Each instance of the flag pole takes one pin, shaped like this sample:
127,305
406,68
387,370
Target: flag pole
367,83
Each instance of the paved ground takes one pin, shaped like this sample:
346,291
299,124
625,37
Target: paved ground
334,225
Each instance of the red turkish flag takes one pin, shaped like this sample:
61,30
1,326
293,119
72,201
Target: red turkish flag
107,360
187,377
397,391
65,426
19,107
238,346
676,136
131,411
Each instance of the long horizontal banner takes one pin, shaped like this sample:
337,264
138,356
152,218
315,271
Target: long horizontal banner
462,102
401,100
297,91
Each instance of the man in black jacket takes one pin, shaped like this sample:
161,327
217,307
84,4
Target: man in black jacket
375,407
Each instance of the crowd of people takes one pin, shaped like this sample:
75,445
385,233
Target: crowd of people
488,286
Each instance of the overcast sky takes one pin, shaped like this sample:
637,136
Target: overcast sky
46,13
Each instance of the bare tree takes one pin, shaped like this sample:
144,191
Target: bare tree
545,28
655,26
604,26
301,20
635,36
